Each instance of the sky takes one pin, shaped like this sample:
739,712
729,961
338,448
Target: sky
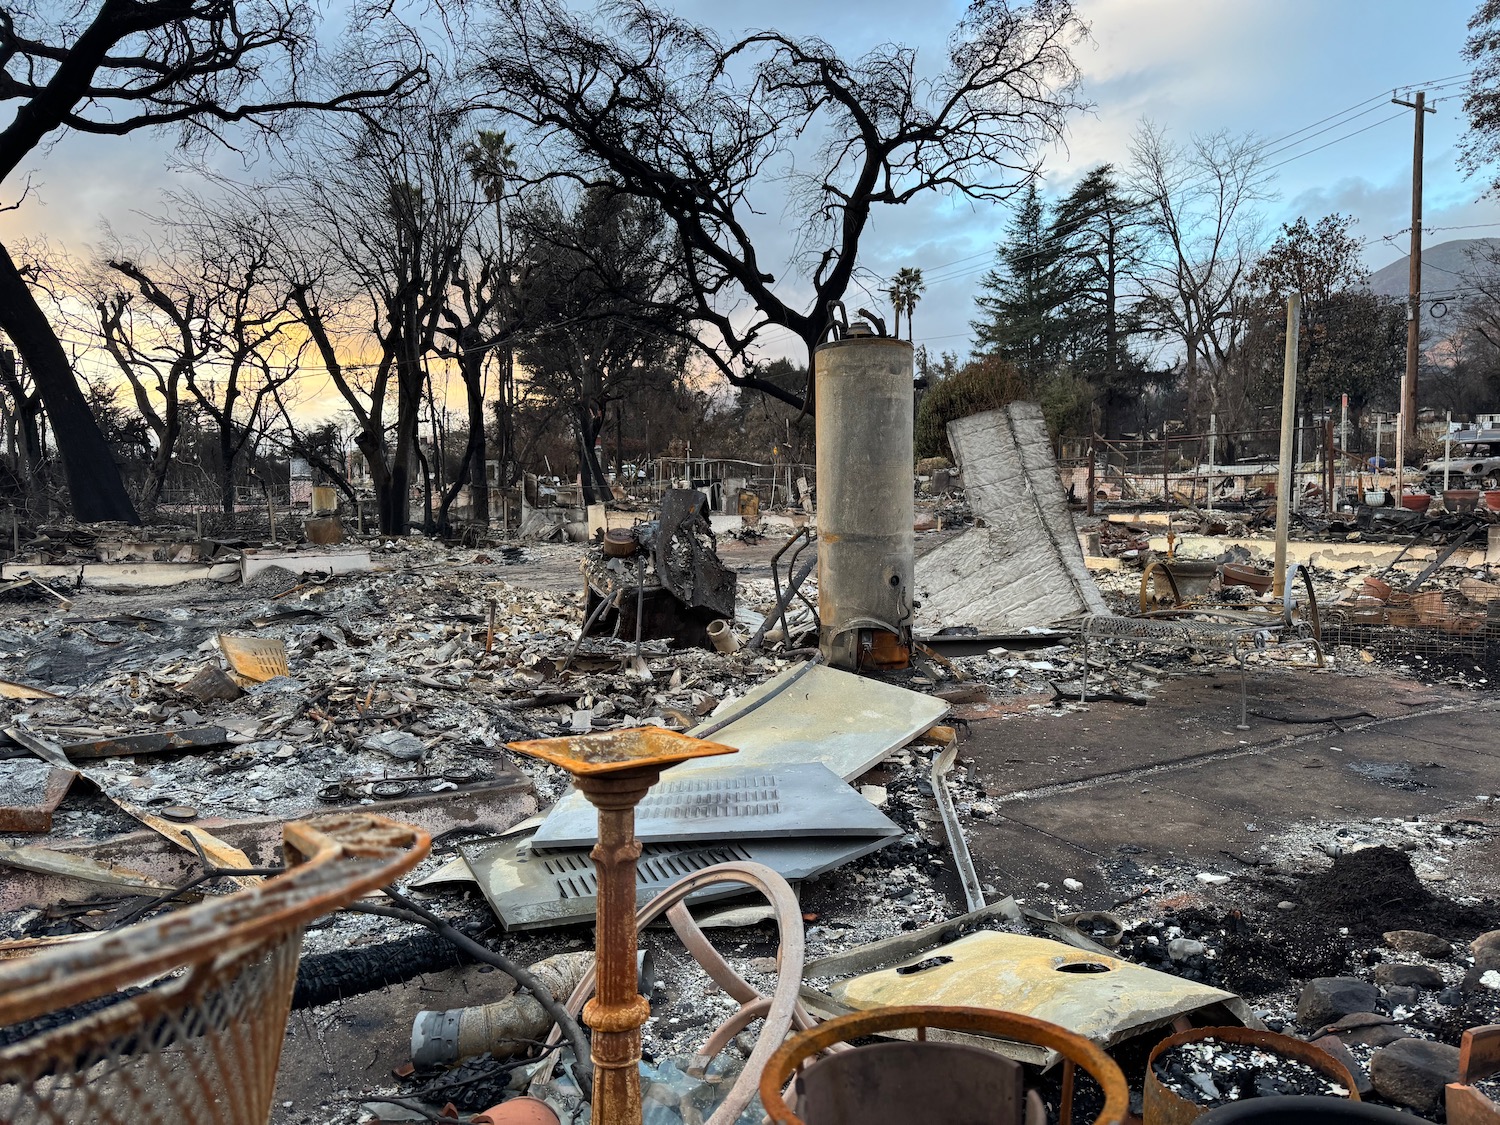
1275,68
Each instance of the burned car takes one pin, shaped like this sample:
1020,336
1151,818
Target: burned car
1473,461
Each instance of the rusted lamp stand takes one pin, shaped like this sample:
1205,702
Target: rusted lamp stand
614,770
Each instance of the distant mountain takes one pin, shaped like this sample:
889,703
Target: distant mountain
1442,268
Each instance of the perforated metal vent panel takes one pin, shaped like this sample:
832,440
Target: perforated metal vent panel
755,794
527,889
756,804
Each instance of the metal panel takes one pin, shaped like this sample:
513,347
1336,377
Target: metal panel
807,799
1024,567
529,889
1103,998
816,714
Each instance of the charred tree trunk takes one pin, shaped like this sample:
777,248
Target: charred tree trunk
395,501
472,469
94,483
161,463
23,417
588,423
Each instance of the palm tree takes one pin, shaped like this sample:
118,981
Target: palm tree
909,282
897,294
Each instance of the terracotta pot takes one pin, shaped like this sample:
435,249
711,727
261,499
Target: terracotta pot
1460,499
1492,499
1375,588
518,1111
1238,574
1416,501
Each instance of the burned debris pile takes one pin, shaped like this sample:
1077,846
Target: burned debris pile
957,791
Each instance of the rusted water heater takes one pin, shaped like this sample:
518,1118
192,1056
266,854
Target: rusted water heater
865,502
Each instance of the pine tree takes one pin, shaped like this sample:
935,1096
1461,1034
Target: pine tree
1096,231
1022,300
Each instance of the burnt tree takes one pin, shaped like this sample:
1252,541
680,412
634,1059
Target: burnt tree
112,67
714,132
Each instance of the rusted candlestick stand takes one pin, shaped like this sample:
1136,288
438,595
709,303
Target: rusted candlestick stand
614,770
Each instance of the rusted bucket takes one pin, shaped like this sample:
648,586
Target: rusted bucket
619,543
1163,1107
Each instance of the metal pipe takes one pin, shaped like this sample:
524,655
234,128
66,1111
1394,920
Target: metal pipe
1400,458
618,1011
1447,450
1288,411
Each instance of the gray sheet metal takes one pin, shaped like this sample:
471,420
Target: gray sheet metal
815,714
807,799
530,889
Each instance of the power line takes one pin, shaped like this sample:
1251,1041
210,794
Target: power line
1336,140
1267,148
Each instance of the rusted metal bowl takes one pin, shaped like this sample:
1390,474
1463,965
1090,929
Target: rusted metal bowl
1238,574
1416,501
1163,1107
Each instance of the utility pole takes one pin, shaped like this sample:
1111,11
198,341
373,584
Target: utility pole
1414,282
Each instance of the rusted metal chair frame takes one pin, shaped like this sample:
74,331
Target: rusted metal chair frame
1075,1050
187,958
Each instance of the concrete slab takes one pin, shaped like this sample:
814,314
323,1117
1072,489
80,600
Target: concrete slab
1332,556
305,562
123,576
1103,796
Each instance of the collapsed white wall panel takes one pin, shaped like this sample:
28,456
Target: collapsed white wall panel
1025,566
